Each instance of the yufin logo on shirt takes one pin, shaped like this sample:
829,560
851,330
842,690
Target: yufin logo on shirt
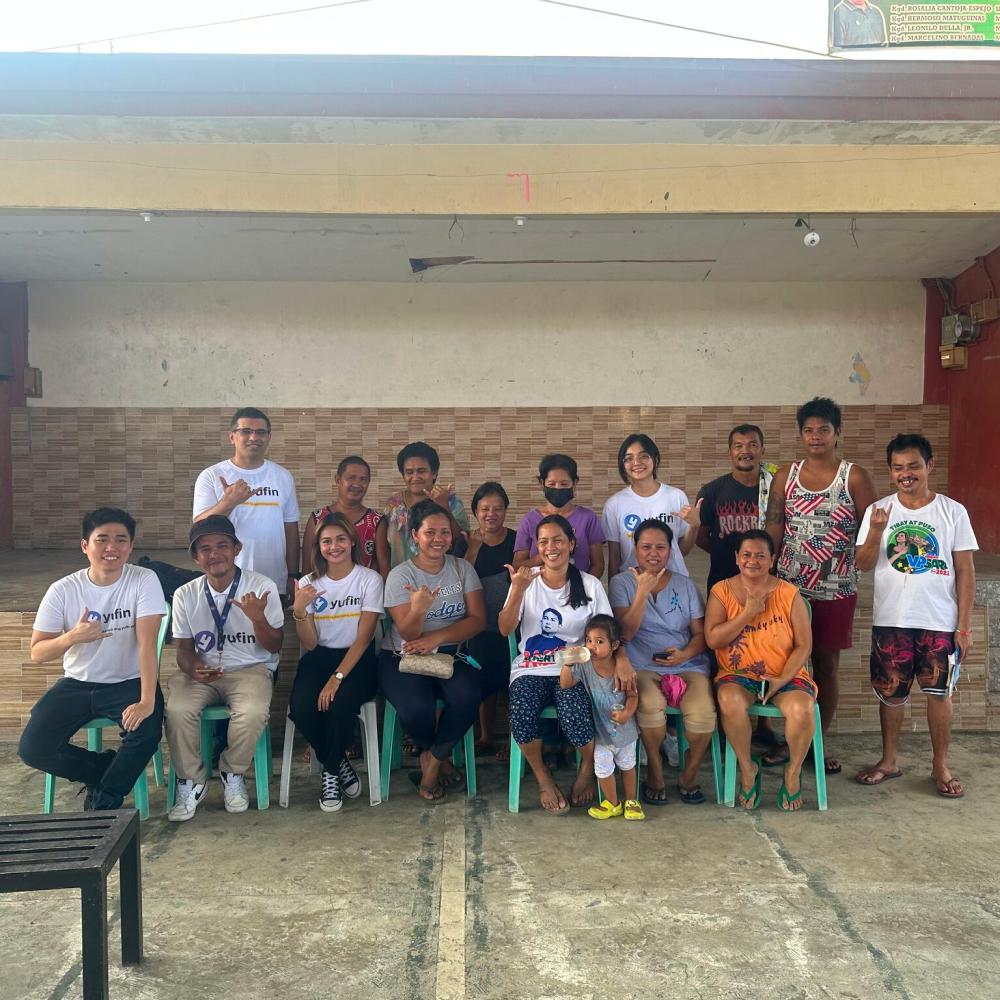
631,522
319,605
204,642
913,548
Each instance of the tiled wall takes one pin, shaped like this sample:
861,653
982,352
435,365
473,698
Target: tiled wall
68,461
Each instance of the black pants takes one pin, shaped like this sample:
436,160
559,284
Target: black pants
491,651
414,696
68,706
331,732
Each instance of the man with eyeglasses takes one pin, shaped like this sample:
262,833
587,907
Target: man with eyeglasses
258,496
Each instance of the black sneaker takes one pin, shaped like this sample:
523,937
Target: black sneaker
349,779
331,797
88,799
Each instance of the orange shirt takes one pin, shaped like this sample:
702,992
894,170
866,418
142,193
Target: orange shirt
763,647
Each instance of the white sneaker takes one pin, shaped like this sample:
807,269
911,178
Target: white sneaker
234,791
186,800
671,749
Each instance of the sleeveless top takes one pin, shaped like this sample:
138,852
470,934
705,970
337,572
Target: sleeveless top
817,554
763,647
366,531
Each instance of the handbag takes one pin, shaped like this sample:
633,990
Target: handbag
438,665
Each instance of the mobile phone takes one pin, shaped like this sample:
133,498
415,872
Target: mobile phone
763,687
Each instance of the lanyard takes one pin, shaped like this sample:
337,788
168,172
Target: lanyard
220,619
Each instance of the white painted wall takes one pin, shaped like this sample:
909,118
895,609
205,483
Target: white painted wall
433,344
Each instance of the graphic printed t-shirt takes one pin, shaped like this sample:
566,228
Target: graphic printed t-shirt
401,545
626,510
549,624
817,552
456,579
763,647
728,510
491,563
366,529
136,594
915,572
585,526
337,610
665,622
260,521
194,620
603,700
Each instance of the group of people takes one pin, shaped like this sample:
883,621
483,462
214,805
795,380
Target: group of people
440,600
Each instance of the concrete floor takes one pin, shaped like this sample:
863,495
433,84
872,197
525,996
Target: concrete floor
892,893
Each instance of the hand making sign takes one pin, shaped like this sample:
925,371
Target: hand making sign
876,23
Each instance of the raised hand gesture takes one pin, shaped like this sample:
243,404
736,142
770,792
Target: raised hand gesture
755,604
440,494
646,580
520,579
86,630
880,519
421,599
304,596
692,515
236,493
253,606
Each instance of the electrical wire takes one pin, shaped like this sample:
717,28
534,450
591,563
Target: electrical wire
685,27
209,24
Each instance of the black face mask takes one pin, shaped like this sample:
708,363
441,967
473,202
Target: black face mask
558,496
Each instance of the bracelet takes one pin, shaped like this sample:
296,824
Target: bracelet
295,617
962,632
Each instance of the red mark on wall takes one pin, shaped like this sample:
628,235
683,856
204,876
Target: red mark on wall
527,184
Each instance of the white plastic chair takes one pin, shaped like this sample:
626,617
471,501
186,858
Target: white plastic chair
369,736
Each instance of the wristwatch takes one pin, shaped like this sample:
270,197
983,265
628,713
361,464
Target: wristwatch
339,676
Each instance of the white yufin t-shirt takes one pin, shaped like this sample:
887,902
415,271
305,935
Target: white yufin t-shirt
915,571
194,620
626,510
136,594
260,521
337,610
549,624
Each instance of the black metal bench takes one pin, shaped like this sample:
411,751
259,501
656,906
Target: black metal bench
70,851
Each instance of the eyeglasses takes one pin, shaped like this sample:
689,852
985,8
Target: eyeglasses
246,432
632,459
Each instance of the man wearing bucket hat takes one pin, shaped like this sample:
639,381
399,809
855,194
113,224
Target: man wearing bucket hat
228,626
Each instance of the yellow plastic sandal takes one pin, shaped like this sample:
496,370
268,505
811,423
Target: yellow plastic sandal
605,811
633,810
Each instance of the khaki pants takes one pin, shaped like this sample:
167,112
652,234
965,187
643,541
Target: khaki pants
697,706
247,695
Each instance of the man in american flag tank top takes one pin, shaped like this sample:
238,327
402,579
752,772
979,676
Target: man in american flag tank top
813,514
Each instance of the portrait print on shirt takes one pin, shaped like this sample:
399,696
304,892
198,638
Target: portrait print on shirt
540,650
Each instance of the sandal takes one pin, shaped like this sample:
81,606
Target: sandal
605,810
410,749
691,796
866,772
775,758
554,812
654,796
785,796
754,792
943,788
353,752
504,752
633,810
434,793
452,779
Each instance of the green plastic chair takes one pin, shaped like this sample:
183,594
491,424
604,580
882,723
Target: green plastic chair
263,764
392,751
817,749
95,741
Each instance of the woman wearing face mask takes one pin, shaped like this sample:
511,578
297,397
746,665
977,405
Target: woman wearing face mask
436,603
351,482
335,610
557,475
418,464
491,550
553,607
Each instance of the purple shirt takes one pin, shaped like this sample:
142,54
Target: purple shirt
586,527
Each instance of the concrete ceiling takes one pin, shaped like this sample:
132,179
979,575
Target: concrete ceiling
81,246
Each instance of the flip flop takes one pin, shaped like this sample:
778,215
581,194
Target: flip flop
432,791
785,796
827,768
691,796
647,795
453,779
754,792
945,794
504,752
886,775
773,759
554,812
